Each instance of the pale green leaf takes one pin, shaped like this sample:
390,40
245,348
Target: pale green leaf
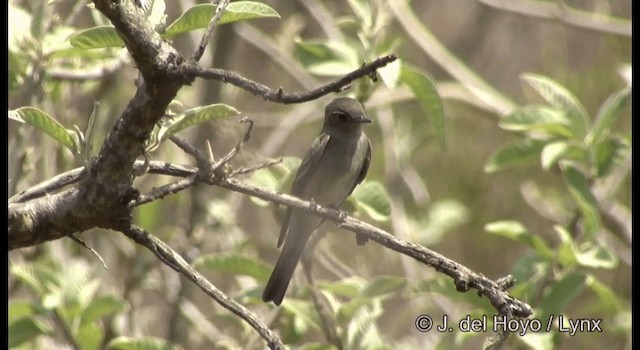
556,151
45,123
561,98
102,305
234,264
609,153
383,285
596,256
519,153
538,118
348,287
196,116
578,186
89,336
610,300
96,38
373,198
425,91
199,16
609,112
514,230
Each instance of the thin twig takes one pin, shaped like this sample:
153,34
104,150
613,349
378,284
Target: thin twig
247,135
163,191
84,244
190,70
176,262
207,34
248,170
205,164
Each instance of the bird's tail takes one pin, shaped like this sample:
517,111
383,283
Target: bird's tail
282,272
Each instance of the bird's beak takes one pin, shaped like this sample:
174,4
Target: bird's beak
363,119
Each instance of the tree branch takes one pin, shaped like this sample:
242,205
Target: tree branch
279,95
207,34
177,263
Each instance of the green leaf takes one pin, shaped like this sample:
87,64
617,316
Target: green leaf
555,151
19,309
373,198
607,115
145,343
199,16
45,123
514,230
303,311
350,287
609,153
596,256
327,58
428,97
538,118
89,336
101,306
578,186
443,216
196,116
383,285
234,264
25,329
609,299
518,153
96,38
38,278
561,98
558,295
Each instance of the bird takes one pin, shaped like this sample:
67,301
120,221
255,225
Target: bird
337,161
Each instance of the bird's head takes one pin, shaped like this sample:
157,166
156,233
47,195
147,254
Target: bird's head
344,114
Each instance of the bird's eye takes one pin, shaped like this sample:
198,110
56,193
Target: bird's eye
342,116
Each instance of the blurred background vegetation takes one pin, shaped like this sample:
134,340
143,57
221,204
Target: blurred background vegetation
557,218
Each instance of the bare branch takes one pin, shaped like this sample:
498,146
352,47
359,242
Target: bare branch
177,263
278,95
207,34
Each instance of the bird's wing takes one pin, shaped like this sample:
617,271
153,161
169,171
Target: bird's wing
360,238
308,165
364,169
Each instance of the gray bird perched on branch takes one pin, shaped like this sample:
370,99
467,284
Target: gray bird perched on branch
337,161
